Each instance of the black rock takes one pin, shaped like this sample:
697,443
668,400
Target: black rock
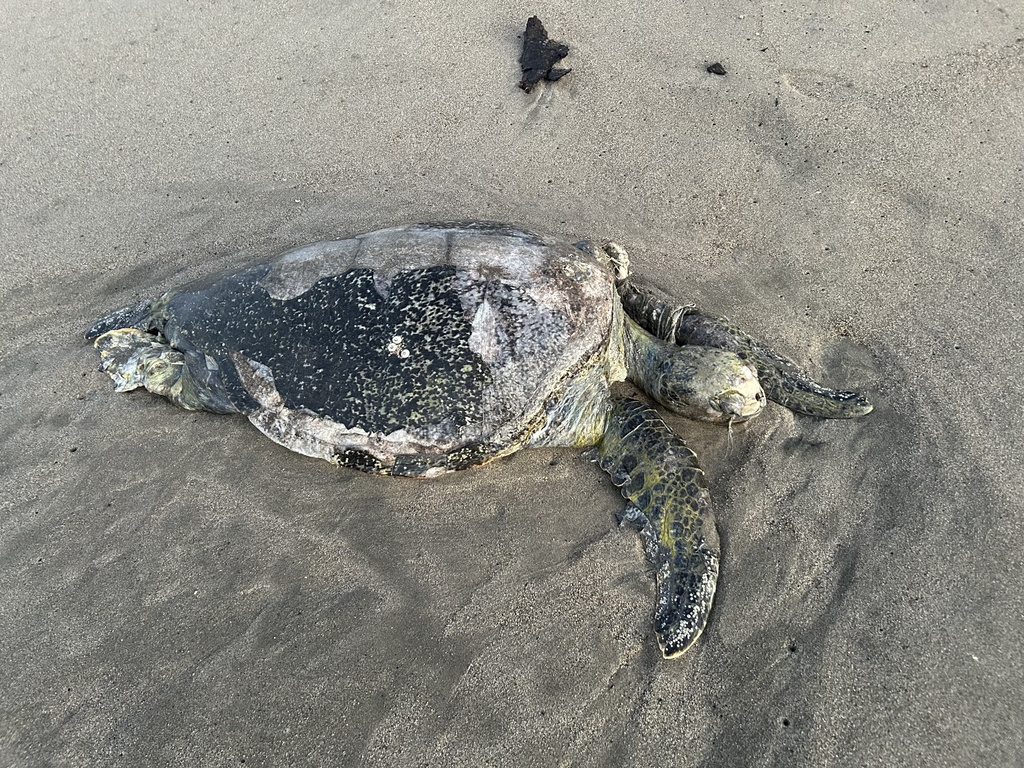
540,55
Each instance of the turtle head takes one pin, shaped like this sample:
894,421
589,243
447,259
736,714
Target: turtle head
708,384
703,383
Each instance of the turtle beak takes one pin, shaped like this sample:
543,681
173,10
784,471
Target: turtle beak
736,406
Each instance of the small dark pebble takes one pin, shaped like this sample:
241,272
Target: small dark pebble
540,55
716,69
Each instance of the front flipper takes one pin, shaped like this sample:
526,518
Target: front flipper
783,381
670,507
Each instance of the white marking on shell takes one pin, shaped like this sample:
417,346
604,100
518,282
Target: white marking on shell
265,392
484,338
381,284
296,271
317,436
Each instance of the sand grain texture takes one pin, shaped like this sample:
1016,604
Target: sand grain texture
176,590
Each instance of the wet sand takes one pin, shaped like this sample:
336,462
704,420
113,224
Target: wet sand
177,590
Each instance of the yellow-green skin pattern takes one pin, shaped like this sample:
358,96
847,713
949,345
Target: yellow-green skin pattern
783,380
670,507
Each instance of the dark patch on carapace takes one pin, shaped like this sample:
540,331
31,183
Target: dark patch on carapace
343,351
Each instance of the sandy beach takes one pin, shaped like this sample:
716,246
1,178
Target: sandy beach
177,590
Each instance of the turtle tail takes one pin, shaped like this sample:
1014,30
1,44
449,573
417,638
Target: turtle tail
669,506
782,379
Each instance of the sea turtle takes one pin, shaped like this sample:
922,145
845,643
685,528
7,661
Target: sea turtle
418,350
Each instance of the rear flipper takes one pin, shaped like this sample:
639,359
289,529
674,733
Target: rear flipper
783,381
136,316
136,359
670,507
